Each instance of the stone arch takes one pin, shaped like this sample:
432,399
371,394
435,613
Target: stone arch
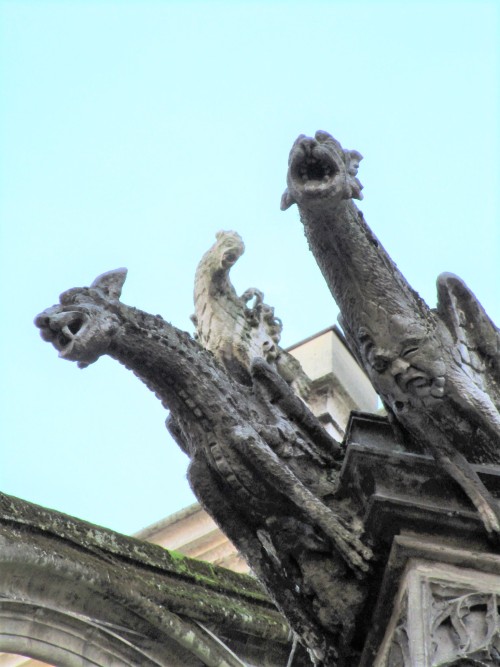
56,638
60,604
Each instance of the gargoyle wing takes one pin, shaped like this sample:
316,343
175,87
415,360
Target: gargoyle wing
476,337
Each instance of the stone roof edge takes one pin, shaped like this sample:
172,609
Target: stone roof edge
170,520
93,538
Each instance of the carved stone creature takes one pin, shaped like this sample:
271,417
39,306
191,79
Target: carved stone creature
437,371
236,329
261,464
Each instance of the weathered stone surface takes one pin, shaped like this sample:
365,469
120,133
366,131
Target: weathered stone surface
69,588
438,372
236,329
444,614
261,463
430,544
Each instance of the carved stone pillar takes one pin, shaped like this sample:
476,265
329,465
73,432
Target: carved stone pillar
443,614
435,594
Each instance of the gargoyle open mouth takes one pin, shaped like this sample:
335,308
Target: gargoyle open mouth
314,169
69,331
420,384
61,329
321,171
417,383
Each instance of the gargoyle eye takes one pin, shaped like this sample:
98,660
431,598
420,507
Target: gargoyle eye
409,351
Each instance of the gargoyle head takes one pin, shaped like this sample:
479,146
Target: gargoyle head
319,168
230,247
81,326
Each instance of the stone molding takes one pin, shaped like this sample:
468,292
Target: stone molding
446,609
77,594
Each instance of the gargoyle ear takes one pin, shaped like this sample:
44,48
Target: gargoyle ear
286,200
352,160
111,282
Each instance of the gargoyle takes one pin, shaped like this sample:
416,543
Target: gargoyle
236,329
261,464
437,371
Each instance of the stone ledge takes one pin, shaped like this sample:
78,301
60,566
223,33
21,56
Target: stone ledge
184,585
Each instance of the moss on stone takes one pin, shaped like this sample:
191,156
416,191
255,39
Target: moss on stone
181,584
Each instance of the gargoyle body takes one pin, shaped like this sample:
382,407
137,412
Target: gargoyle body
261,464
236,329
437,371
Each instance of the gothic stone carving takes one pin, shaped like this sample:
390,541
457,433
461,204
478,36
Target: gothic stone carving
437,371
261,464
72,593
236,329
448,616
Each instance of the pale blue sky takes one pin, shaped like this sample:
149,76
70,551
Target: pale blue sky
132,131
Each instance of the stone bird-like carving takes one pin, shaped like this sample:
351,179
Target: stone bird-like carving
239,329
437,371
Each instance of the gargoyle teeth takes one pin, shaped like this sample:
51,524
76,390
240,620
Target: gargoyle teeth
70,319
314,169
66,332
65,340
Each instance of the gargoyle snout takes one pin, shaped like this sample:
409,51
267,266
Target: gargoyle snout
60,328
398,366
41,320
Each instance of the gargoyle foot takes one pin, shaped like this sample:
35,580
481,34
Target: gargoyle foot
347,541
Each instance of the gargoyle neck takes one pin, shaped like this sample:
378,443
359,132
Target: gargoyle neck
172,365
359,272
